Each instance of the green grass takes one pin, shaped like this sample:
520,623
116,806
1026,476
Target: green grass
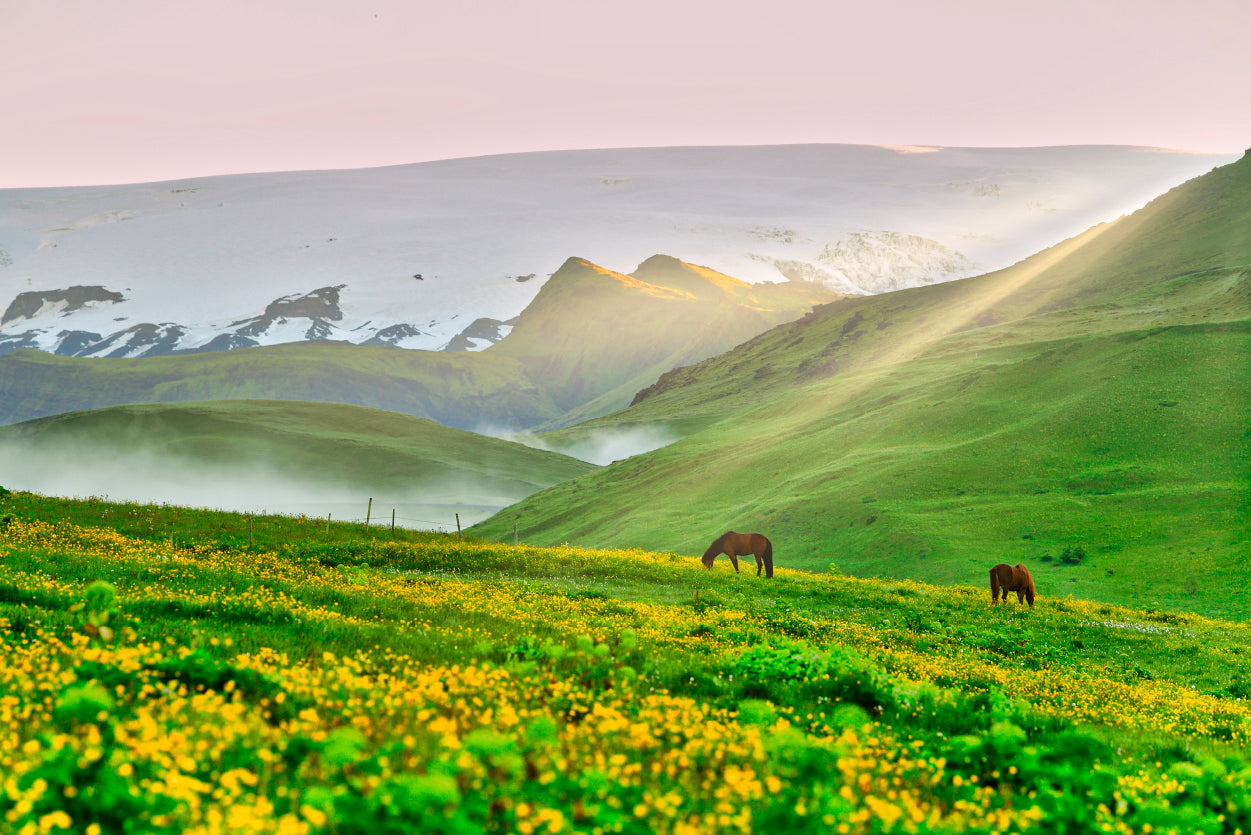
191,527
1061,709
588,342
1097,395
456,389
593,337
1186,649
906,613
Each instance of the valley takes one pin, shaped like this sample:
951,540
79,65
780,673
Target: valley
1096,395
1092,397
318,459
564,418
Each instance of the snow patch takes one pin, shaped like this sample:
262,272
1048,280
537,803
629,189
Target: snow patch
879,262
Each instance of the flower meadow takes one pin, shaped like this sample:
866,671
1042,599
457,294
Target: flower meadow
160,684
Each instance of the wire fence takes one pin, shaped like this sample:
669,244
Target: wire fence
385,521
458,516
384,517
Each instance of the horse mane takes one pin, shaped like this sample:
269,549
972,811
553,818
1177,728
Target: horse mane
1030,594
715,547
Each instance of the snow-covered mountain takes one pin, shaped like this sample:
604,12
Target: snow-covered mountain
444,255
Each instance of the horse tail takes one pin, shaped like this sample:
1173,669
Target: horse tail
768,558
994,585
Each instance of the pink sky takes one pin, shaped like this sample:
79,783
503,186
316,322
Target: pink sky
129,91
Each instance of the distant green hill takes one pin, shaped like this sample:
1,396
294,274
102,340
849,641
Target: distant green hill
592,337
586,344
247,448
1096,396
455,389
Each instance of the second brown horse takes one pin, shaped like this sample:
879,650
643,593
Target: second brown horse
735,545
1005,578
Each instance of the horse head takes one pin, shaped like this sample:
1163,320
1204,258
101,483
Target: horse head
716,548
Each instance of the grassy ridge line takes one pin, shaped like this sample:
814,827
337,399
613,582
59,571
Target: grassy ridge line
443,686
455,389
587,336
593,337
1139,269
317,443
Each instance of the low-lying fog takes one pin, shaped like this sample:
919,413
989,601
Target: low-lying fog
606,445
251,487
244,487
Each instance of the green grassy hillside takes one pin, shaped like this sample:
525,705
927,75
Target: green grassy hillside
588,342
324,447
455,389
163,680
1096,396
594,337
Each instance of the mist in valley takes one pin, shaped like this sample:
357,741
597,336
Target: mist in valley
146,477
604,446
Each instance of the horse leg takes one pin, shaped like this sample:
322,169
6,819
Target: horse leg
734,560
1020,597
759,565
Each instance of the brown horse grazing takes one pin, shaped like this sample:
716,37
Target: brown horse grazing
733,544
1005,578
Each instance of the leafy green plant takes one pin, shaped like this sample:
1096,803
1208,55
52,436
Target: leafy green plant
96,610
1073,556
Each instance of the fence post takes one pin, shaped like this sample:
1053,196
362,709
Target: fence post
392,521
458,534
368,510
514,534
327,524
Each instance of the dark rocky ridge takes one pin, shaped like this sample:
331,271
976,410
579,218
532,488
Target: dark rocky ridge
484,328
321,305
26,305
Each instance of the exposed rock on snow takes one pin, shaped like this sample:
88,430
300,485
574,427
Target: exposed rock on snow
878,262
35,303
396,336
318,306
143,340
481,333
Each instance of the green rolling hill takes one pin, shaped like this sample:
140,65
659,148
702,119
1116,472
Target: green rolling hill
455,389
274,453
592,337
586,344
1096,396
